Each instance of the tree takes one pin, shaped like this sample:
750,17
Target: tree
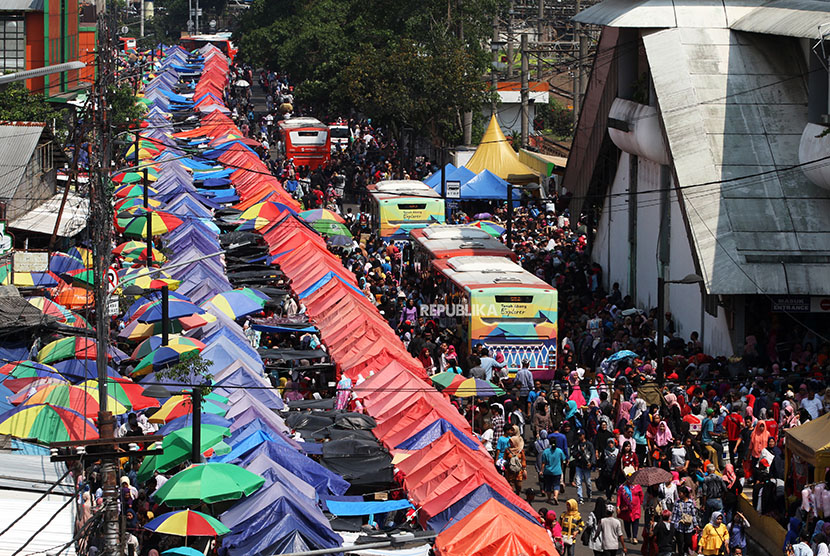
17,104
125,112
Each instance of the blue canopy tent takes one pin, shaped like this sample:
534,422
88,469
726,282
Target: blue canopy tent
487,185
462,175
273,472
325,279
468,503
187,421
436,177
433,432
242,378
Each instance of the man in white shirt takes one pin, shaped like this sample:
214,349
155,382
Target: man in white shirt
611,532
813,405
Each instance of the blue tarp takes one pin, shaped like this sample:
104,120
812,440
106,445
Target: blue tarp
241,377
273,472
436,177
468,503
283,329
461,174
327,277
366,508
487,185
323,480
433,432
187,420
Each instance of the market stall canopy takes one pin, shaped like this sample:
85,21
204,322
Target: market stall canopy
42,219
494,153
811,442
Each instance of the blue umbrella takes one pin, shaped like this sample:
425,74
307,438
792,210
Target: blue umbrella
183,551
623,354
176,308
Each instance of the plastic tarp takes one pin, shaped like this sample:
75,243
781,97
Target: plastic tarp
493,529
433,432
487,185
323,480
436,177
366,508
461,175
468,503
273,472
258,389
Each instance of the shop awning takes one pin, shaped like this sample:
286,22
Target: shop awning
42,219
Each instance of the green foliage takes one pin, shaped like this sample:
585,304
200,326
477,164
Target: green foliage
170,19
555,119
125,112
190,365
402,63
17,104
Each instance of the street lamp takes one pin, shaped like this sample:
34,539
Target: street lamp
661,318
159,391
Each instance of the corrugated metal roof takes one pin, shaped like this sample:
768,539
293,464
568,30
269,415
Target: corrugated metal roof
790,18
17,143
21,5
745,94
630,13
42,219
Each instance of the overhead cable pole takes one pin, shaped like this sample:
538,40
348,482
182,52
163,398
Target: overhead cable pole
525,92
540,32
100,220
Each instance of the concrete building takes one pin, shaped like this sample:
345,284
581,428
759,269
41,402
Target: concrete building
510,104
694,149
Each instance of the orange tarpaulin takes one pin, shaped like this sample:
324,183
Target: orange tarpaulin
494,530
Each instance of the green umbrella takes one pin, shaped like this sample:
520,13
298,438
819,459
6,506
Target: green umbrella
209,483
177,448
331,228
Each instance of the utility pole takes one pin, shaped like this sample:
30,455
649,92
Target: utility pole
540,31
510,52
578,76
100,221
524,90
141,7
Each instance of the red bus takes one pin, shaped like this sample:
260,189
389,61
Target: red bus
306,140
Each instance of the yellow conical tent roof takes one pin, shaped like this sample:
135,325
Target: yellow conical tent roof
494,153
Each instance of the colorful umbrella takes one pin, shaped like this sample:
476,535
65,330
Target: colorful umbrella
447,379
82,369
29,385
187,523
136,330
68,348
209,483
266,210
164,357
182,551
176,406
321,214
135,176
239,303
146,279
178,448
176,308
46,423
76,398
74,298
35,279
154,342
135,190
137,251
135,202
125,392
61,262
490,227
29,369
136,226
64,315
82,278
82,253
474,387
331,228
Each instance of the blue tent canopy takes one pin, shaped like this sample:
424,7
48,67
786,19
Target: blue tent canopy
468,503
242,378
436,177
433,432
462,175
323,480
341,509
187,421
487,185
327,277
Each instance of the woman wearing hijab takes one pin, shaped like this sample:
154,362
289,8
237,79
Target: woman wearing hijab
630,507
819,545
553,527
426,360
714,536
627,461
576,392
793,533
757,442
610,454
515,464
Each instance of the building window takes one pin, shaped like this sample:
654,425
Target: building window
12,43
44,157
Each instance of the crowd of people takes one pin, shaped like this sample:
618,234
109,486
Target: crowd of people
714,426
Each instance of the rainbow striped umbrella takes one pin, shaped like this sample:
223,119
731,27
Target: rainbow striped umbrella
492,228
239,303
146,279
136,226
83,278
61,262
137,251
136,330
35,279
68,348
164,357
474,387
187,523
154,342
64,315
266,210
135,202
446,380
135,190
177,406
175,308
76,398
132,176
46,423
321,214
29,369
125,392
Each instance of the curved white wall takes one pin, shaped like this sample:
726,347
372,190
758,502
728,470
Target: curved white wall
644,138
815,148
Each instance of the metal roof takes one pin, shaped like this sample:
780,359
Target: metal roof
21,5
791,18
734,105
484,264
489,244
41,219
454,232
17,143
478,271
400,187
